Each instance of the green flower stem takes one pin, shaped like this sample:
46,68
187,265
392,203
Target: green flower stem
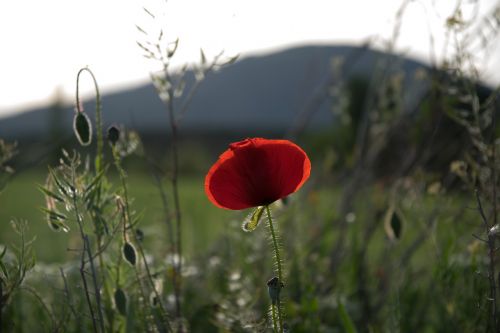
273,313
278,267
98,169
98,117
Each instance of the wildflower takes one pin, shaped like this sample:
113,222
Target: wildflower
256,172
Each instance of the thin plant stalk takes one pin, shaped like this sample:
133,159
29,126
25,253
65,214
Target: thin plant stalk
175,191
275,321
1,302
98,168
121,172
98,117
85,250
491,267
491,238
278,268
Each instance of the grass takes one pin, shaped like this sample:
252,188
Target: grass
203,222
427,278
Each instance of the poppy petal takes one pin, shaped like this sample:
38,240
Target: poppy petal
256,172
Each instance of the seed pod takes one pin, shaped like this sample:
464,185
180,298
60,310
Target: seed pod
82,128
129,253
393,224
121,301
113,134
274,286
139,234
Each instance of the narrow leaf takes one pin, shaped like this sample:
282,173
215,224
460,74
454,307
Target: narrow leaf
63,189
4,270
55,220
95,180
203,58
3,252
53,215
51,194
171,50
346,319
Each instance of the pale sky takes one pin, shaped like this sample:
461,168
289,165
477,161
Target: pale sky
44,43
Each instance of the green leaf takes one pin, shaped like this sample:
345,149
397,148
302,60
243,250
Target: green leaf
82,128
4,270
53,215
58,226
203,58
121,301
3,252
94,181
346,319
129,253
252,221
63,189
55,220
51,194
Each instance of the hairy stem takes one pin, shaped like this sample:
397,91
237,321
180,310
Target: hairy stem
273,313
278,266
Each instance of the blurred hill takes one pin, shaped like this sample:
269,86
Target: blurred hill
254,95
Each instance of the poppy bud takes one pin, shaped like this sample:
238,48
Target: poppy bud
120,299
274,288
82,128
129,253
113,134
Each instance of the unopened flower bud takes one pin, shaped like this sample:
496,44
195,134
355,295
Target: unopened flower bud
82,128
113,134
274,288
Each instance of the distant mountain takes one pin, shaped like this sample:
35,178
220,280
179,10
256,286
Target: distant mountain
264,93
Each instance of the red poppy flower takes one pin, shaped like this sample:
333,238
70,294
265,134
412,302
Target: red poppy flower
256,172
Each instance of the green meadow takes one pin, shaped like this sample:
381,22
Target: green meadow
22,200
